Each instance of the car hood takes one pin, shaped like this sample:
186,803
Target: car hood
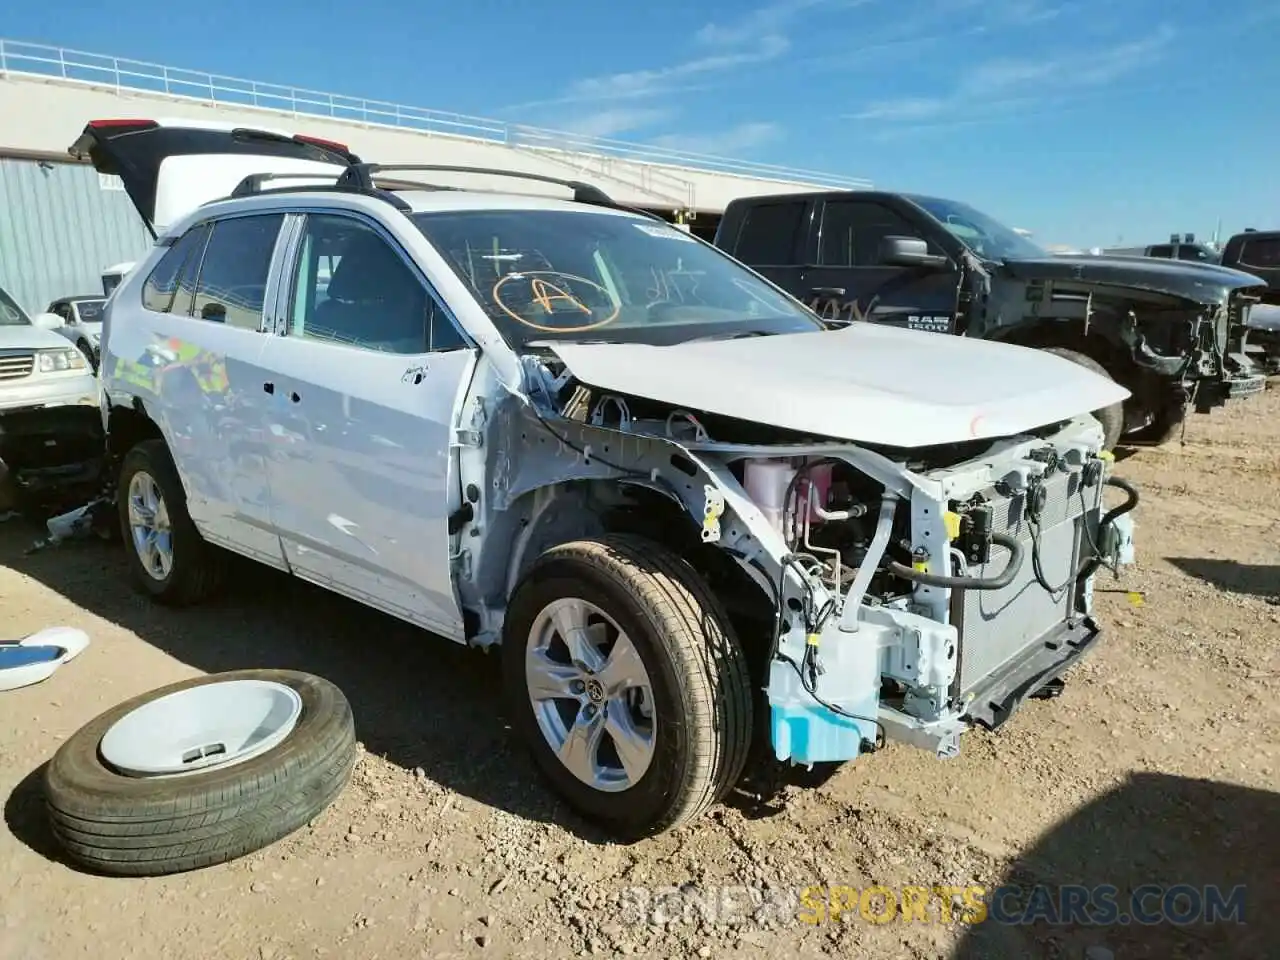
866,383
1202,282
26,337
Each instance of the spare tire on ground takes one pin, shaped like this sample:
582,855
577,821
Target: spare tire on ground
173,780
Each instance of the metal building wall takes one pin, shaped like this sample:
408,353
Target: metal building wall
60,225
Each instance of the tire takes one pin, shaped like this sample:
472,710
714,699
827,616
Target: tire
196,569
89,356
148,826
697,672
1112,417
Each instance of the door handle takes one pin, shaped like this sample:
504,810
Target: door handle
827,291
294,396
269,388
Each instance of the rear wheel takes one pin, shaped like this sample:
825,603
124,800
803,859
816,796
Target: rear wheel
1112,417
168,558
627,682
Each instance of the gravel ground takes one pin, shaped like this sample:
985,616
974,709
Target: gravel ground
1158,764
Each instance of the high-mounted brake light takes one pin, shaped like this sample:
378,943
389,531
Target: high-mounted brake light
115,124
321,142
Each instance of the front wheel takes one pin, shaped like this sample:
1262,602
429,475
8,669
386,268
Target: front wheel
1112,417
627,682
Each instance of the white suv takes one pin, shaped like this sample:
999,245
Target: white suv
689,513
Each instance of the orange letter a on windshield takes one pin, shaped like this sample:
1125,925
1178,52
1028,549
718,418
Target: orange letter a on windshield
544,293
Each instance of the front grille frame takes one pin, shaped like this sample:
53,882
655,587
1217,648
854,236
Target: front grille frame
998,629
16,365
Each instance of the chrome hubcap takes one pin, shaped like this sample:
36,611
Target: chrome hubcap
149,526
591,694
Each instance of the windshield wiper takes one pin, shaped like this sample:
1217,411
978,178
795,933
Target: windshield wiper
742,335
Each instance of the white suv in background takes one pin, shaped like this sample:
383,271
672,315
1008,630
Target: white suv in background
676,500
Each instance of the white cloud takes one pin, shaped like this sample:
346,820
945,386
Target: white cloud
1005,86
733,140
616,120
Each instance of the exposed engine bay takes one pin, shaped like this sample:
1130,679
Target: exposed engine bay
911,592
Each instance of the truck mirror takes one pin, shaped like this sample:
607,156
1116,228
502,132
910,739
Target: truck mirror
908,252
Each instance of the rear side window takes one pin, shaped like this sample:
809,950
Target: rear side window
1261,252
158,291
768,234
232,283
1164,251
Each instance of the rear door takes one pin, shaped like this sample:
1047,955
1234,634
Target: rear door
170,167
771,238
849,282
191,346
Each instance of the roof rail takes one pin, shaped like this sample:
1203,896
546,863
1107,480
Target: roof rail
252,185
358,179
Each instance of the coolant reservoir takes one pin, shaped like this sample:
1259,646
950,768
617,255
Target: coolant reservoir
766,482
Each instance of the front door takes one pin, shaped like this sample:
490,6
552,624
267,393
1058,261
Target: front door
366,373
850,282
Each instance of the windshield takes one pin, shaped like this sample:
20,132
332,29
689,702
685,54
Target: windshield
89,311
11,314
989,239
583,275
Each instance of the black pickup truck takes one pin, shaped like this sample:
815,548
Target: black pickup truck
1258,252
1170,331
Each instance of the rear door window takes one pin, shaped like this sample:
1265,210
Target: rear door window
769,234
232,284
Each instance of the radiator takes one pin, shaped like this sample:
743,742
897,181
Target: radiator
997,627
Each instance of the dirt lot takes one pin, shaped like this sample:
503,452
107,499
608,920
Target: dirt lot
1159,764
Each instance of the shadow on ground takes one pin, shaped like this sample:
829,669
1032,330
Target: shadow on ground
419,700
1252,579
1216,842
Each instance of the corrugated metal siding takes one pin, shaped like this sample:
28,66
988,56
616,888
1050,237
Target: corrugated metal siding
60,225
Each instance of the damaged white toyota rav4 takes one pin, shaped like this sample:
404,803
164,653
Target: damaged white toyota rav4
691,516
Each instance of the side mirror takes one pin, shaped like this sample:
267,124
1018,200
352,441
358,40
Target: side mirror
48,321
909,252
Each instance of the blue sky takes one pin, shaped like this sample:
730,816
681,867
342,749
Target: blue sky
1083,121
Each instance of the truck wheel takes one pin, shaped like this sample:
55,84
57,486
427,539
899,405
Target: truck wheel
168,558
626,680
1112,417
148,824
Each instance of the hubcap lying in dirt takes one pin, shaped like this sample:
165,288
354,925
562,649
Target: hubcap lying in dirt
591,694
218,724
149,525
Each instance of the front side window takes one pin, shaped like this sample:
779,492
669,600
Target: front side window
351,286
987,237
854,230
232,283
587,275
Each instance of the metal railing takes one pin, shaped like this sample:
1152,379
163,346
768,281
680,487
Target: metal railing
19,58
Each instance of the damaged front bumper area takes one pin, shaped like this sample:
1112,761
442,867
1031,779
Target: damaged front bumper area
974,594
1206,356
51,456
